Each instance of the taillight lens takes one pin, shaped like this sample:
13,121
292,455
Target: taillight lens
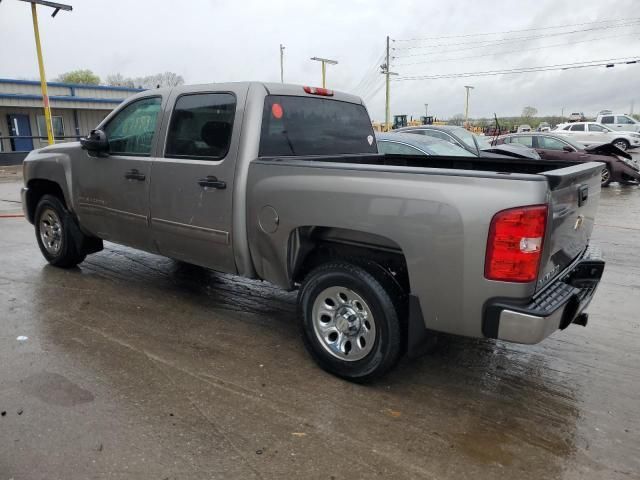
514,246
325,92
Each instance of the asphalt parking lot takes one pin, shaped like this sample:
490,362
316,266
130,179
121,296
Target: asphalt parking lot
136,366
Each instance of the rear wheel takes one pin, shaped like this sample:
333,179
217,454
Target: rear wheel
605,177
54,235
621,143
350,323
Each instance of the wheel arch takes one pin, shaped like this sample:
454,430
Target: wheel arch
309,246
36,189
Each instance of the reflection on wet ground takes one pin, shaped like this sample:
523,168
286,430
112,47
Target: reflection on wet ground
136,366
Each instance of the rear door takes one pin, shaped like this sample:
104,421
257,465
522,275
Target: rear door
192,182
575,193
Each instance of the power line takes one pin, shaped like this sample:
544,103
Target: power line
565,66
368,74
508,40
439,60
440,37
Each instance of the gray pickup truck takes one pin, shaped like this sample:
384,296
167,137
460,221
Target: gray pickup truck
284,183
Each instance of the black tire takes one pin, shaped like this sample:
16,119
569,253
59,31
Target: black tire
605,177
621,143
67,254
378,296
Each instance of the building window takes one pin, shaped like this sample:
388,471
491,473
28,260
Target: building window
58,126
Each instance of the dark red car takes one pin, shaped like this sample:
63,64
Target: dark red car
620,167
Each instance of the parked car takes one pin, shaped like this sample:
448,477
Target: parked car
619,166
577,117
524,128
407,144
543,127
284,183
617,121
592,133
478,145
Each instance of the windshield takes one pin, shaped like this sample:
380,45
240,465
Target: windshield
295,125
571,142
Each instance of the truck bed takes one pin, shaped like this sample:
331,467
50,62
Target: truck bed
497,164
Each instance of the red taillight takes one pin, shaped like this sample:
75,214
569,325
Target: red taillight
514,245
325,92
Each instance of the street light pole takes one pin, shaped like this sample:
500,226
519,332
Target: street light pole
324,62
466,106
281,63
43,79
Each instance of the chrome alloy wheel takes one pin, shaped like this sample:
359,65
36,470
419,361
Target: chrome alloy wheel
51,231
606,175
343,323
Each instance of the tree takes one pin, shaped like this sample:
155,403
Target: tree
117,80
166,79
84,77
457,120
528,112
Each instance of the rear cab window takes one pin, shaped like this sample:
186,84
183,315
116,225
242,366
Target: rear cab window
295,125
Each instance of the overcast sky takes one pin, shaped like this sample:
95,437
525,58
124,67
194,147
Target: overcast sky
214,40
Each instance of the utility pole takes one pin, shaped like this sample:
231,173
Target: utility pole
631,109
386,71
562,115
426,109
324,61
43,79
281,63
466,106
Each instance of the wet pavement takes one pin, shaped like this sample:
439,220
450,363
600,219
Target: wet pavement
136,366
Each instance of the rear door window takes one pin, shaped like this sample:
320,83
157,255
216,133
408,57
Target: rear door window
577,128
607,119
201,126
293,125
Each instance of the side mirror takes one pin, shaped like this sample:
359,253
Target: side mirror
567,148
95,142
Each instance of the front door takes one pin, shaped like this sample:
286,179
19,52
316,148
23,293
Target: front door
192,186
113,190
19,126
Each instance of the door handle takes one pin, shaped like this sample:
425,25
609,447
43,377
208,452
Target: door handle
134,174
213,182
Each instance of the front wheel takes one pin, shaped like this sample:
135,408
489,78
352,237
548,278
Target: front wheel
53,233
605,177
350,322
622,144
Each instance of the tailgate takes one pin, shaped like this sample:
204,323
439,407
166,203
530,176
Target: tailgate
575,193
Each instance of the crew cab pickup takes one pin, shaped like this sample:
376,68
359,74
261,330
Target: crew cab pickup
284,183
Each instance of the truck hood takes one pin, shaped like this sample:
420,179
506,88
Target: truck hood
607,149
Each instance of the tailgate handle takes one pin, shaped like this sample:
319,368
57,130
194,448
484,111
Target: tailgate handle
583,194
